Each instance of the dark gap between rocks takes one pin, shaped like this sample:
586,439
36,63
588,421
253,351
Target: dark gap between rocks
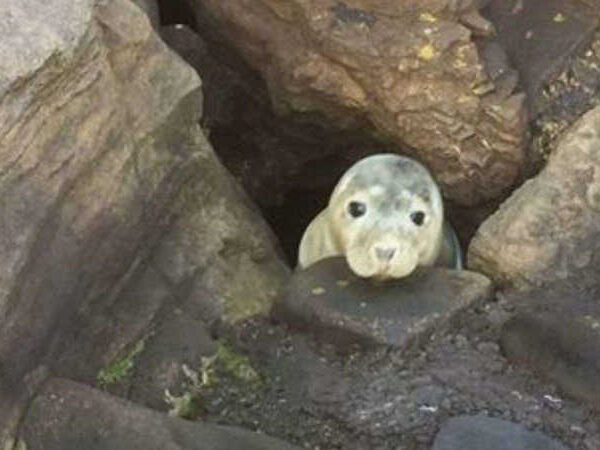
176,13
288,166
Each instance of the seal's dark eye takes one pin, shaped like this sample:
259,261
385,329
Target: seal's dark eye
357,209
418,218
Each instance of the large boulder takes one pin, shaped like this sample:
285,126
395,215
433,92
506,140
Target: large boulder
220,251
69,416
547,231
409,69
101,155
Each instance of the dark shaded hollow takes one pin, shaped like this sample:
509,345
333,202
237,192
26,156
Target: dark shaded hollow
244,131
175,12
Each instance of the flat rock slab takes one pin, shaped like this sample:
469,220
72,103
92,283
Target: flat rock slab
539,37
565,352
71,416
329,300
479,432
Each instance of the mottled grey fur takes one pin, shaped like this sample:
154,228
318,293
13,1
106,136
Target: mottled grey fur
392,187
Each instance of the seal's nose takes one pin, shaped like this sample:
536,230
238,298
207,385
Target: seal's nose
385,254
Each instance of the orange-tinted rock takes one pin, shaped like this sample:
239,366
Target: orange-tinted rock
547,231
409,69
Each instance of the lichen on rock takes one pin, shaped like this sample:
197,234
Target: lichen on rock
409,69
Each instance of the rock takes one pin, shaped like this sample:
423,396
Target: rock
220,252
70,416
101,159
540,36
413,72
177,346
547,230
92,155
329,300
222,85
498,68
478,432
565,352
150,7
297,368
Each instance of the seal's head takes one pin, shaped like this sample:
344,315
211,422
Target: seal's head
386,215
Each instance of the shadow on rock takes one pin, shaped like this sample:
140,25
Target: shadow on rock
330,301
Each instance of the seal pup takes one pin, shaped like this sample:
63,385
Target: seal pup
386,216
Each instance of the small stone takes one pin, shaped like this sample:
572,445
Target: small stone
488,347
480,432
431,395
559,18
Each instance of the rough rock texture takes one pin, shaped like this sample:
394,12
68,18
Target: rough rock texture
265,152
100,156
219,252
150,7
176,346
329,300
391,399
409,68
288,167
87,144
540,36
70,416
565,352
479,432
548,229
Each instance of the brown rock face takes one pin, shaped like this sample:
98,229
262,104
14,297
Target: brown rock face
409,69
548,229
102,160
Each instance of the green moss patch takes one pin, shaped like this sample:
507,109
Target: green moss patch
237,365
120,368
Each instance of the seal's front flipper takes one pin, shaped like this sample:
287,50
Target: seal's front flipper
450,253
317,243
